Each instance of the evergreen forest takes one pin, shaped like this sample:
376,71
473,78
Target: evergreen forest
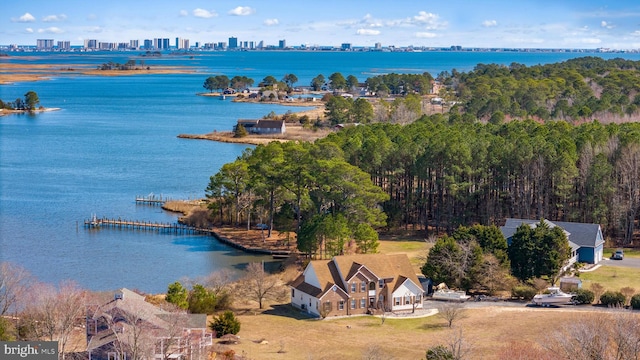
522,142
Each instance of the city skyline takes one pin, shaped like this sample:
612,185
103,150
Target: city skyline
495,23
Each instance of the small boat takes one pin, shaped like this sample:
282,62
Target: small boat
450,295
554,296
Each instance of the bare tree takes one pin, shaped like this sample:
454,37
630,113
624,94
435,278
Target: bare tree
598,290
218,281
70,304
492,276
611,336
14,282
524,351
451,312
259,284
628,292
375,352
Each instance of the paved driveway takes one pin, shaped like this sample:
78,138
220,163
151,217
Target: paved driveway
626,262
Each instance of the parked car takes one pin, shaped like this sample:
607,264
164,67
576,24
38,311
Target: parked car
262,227
617,255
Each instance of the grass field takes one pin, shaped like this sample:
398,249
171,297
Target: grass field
612,278
416,250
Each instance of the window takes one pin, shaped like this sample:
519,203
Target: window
363,303
341,305
418,298
353,304
407,300
353,287
372,286
381,283
396,300
363,287
293,293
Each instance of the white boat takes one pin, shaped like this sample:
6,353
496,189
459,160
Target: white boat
554,296
450,295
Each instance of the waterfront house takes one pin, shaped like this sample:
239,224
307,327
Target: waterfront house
127,327
262,126
586,240
357,284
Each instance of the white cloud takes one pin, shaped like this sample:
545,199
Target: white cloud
29,30
205,14
26,18
184,13
51,30
242,11
489,23
425,35
424,17
606,25
636,33
271,22
54,18
368,32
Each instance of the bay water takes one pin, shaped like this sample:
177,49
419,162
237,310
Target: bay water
114,138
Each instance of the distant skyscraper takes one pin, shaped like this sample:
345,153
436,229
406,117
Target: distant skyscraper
64,45
148,44
261,44
233,42
45,44
378,46
182,43
90,44
346,46
282,44
134,44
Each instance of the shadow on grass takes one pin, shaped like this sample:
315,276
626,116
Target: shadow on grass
288,311
434,326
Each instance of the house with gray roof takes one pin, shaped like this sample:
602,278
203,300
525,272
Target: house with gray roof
262,126
126,327
357,284
586,240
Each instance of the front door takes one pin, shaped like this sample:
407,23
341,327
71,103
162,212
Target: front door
372,301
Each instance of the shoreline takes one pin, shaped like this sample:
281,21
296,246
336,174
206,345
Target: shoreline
12,73
4,112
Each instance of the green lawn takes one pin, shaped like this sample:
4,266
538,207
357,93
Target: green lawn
416,250
612,277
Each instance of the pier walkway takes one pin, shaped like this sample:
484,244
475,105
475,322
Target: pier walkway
176,228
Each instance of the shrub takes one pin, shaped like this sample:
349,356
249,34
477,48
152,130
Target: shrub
201,300
635,302
612,299
523,292
439,352
584,296
225,324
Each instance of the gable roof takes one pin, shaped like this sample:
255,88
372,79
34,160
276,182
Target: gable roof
269,124
341,268
579,234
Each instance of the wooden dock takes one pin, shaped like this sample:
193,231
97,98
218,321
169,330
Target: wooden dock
175,228
151,200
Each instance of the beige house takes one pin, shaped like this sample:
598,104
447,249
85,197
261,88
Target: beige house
357,284
128,327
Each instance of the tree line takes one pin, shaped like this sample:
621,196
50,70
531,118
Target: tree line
439,175
577,89
307,188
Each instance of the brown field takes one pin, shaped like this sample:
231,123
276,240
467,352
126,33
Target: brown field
487,330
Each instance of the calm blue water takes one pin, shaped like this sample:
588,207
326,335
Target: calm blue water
115,138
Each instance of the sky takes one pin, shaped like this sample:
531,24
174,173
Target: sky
589,24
